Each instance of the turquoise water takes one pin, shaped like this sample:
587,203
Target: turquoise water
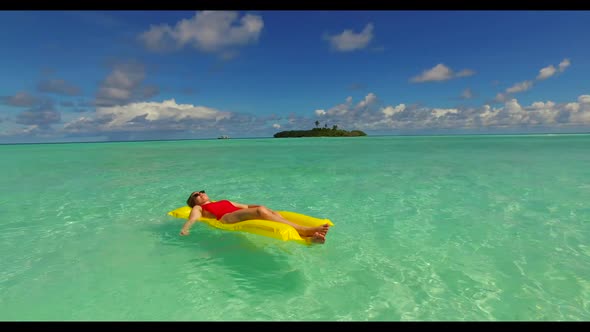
462,228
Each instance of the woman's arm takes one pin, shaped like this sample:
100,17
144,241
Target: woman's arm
195,215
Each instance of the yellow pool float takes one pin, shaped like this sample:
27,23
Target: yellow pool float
267,228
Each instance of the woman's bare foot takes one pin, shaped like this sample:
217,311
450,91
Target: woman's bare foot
311,231
318,238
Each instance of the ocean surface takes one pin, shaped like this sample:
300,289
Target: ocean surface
427,228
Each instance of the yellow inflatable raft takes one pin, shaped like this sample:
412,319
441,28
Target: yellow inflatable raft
268,228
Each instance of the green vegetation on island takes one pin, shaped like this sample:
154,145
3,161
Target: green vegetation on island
320,132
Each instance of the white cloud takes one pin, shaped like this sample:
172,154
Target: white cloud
581,117
582,110
546,72
512,106
320,112
339,109
168,110
370,99
551,70
276,126
208,31
440,72
349,41
572,107
564,64
438,112
487,115
541,105
510,114
519,87
390,111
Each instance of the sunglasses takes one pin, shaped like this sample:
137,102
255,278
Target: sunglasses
198,193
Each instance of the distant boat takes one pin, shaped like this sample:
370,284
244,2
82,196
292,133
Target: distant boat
223,137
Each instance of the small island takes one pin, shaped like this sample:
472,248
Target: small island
319,132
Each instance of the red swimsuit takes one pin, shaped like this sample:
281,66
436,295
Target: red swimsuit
220,208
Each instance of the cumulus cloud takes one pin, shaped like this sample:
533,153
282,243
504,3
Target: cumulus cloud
510,115
148,116
350,113
542,105
339,109
158,119
440,72
207,31
390,111
348,41
438,112
369,99
154,111
58,86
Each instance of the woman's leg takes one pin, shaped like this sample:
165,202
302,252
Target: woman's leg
264,213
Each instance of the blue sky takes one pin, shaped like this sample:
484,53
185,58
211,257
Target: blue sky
135,75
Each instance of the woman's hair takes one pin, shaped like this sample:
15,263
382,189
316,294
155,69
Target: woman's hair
191,200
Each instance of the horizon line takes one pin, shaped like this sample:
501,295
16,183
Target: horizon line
271,137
